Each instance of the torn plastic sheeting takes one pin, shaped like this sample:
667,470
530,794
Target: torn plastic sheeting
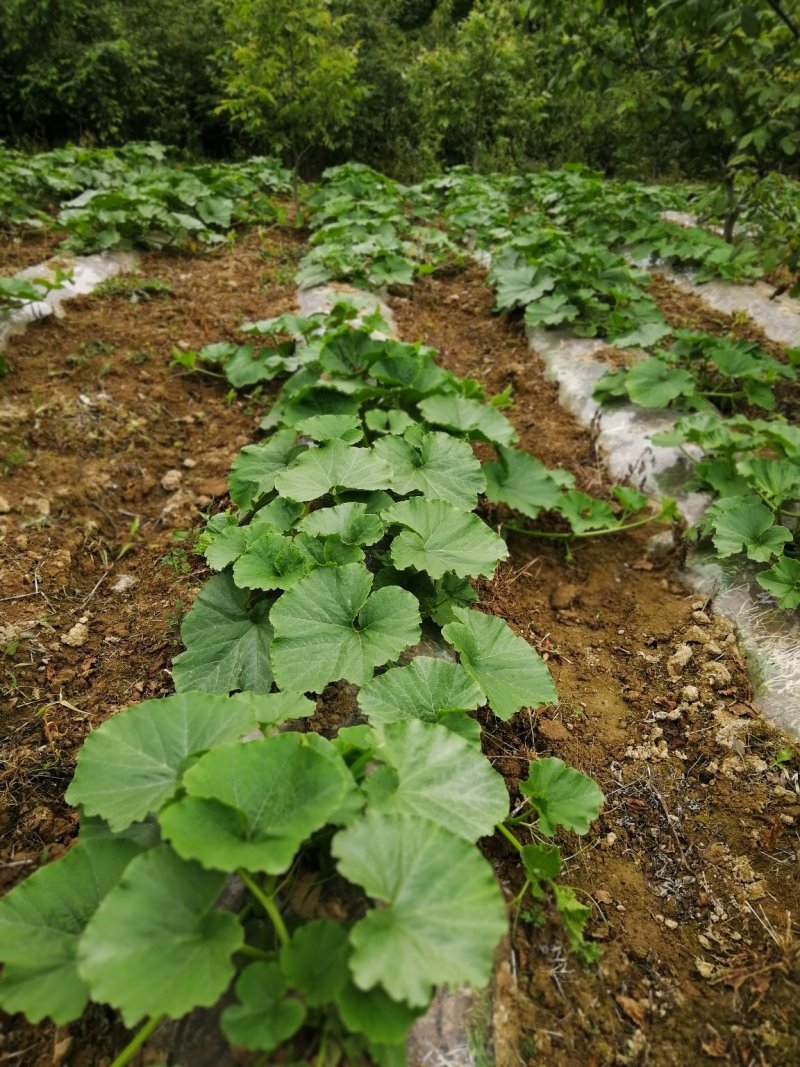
622,430
769,637
87,272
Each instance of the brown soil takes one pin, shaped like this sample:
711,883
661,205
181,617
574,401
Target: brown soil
26,248
108,456
692,868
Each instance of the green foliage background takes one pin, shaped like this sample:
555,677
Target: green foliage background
694,88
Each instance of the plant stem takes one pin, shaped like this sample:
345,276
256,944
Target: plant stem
268,904
574,536
137,1041
509,836
256,953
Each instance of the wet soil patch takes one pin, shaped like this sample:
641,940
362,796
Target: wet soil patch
691,871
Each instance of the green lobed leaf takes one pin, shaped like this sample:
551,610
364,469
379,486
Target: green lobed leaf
227,641
653,383
40,924
252,805
315,960
253,471
329,626
156,945
561,796
749,527
346,428
317,471
783,581
439,776
504,665
441,468
523,483
133,763
374,1014
349,521
443,913
272,561
440,538
469,417
265,1015
426,689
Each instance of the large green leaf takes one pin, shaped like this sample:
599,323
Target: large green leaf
332,427
348,521
519,285
440,538
329,626
40,923
426,689
441,468
317,471
254,469
227,641
132,764
265,1016
504,665
375,1014
156,945
443,912
252,805
438,775
468,417
523,483
561,796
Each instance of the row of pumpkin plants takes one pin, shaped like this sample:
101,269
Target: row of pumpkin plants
559,247
353,538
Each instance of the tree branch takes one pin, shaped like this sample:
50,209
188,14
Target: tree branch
785,19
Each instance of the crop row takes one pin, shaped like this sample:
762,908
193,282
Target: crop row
353,538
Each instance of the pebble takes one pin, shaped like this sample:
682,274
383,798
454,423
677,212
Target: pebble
172,480
690,693
701,617
678,660
5,507
717,675
75,637
694,635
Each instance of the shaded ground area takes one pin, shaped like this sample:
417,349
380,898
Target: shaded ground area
692,869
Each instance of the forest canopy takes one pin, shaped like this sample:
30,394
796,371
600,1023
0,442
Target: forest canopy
689,88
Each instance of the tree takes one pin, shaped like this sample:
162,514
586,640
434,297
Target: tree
290,79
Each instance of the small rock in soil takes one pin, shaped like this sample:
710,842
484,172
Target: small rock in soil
75,637
716,675
677,662
564,596
123,583
552,731
695,636
172,480
690,693
5,507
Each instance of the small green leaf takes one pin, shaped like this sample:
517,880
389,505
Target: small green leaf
315,960
271,562
542,862
133,763
575,916
653,383
440,538
374,1014
227,641
426,689
435,886
585,513
504,665
783,581
252,805
348,521
41,921
329,626
273,709
749,527
156,945
345,428
265,1016
253,471
561,796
